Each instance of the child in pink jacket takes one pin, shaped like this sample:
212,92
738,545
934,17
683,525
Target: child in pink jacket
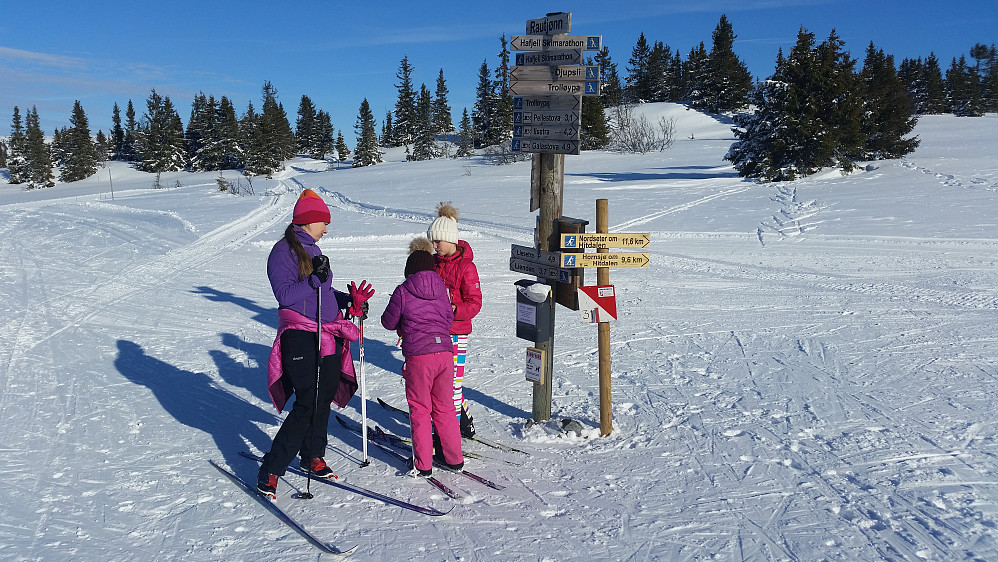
420,311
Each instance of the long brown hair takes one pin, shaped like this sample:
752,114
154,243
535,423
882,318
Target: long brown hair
304,260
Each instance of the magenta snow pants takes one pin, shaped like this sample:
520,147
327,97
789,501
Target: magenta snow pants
429,388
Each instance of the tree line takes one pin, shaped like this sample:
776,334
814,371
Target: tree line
815,110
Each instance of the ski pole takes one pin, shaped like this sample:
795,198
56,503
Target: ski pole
307,494
363,393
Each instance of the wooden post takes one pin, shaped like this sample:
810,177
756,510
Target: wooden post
550,173
603,343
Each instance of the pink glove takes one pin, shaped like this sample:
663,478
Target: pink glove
359,296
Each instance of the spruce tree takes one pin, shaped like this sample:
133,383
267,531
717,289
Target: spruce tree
963,89
3,154
442,121
695,74
483,113
306,128
386,129
274,135
104,147
424,147
342,150
202,137
727,80
466,146
611,94
501,130
762,149
160,138
252,144
638,82
38,156
81,155
659,81
228,152
117,134
403,127
887,118
325,143
367,152
17,156
594,132
129,148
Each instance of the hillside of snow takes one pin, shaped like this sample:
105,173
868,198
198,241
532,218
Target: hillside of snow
806,371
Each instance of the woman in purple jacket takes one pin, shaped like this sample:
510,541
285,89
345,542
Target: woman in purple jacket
420,312
298,271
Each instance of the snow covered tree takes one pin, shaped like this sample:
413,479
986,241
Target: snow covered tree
466,144
727,80
424,147
3,154
202,135
442,120
160,139
104,147
278,138
987,70
306,128
325,143
80,160
228,152
256,160
17,156
963,89
403,126
367,152
342,150
887,117
808,115
695,75
37,153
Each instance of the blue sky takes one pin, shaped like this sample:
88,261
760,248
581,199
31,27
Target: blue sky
338,53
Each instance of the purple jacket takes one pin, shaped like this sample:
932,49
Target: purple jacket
420,312
300,295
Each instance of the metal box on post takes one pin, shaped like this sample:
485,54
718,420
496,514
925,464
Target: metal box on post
533,310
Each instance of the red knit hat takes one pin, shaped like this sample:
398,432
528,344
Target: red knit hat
310,208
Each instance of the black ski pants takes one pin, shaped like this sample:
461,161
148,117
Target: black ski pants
304,429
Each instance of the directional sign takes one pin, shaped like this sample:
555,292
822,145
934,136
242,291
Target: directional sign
597,303
546,118
545,132
535,255
550,24
636,259
547,103
544,42
554,73
540,270
607,240
546,146
554,57
561,87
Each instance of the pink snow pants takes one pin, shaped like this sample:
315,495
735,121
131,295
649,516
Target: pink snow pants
429,388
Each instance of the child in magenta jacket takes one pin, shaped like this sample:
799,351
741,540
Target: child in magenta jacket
420,312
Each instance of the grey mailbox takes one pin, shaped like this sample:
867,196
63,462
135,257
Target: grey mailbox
533,310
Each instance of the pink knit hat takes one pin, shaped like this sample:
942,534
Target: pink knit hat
310,208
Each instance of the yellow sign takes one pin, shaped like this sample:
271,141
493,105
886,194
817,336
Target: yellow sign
606,240
635,259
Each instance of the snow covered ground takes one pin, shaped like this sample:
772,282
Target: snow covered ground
807,371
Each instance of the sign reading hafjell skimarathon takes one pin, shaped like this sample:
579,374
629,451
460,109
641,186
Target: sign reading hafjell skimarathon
547,84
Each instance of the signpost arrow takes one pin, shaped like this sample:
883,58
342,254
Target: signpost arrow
540,270
635,259
554,57
546,146
608,240
547,103
544,42
554,73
